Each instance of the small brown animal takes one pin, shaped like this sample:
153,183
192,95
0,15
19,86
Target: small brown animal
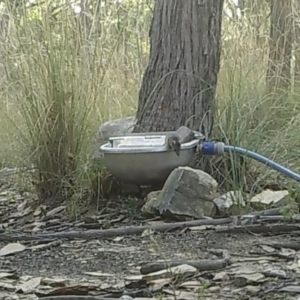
182,135
172,142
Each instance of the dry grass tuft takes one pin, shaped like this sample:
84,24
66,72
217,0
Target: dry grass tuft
58,85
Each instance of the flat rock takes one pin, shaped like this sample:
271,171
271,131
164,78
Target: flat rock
231,203
187,193
113,128
271,198
152,201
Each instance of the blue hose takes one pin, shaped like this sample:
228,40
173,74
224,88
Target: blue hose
213,148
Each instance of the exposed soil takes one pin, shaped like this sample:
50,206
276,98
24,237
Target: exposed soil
120,258
60,267
76,257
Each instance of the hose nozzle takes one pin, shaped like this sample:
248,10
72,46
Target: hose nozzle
211,148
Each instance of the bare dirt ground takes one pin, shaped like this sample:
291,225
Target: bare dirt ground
255,267
254,273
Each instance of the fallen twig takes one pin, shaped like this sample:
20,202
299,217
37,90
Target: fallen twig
109,233
260,228
256,254
201,265
290,245
294,219
269,212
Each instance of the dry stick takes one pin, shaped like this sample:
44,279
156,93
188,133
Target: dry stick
294,219
269,212
200,265
109,233
260,228
289,245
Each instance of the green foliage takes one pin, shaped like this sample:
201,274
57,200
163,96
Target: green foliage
60,85
56,94
63,74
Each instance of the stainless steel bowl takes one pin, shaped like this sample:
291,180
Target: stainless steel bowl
144,159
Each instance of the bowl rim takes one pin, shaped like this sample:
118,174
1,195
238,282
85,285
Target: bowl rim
198,135
106,148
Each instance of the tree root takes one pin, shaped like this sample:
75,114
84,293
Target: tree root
109,233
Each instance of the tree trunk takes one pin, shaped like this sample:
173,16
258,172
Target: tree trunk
179,84
281,40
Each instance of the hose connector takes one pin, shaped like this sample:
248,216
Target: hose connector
212,148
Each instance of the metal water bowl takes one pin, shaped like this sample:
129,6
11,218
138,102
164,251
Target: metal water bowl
144,159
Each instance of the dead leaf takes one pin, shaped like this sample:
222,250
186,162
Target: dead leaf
12,248
157,284
244,279
99,274
222,276
181,295
22,205
39,210
147,232
21,213
171,272
73,290
267,248
8,275
191,284
55,211
30,285
201,227
291,289
7,287
134,278
44,246
214,289
118,239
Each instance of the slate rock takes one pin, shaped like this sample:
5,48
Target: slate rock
113,128
187,193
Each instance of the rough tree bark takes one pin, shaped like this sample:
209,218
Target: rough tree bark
180,81
281,41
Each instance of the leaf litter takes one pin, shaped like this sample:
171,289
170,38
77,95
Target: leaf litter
185,264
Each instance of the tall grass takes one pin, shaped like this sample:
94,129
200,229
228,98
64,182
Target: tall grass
250,116
57,84
57,87
107,78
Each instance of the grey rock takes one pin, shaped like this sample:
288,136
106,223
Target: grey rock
12,171
125,297
231,203
187,193
116,127
9,171
113,128
152,201
253,290
269,198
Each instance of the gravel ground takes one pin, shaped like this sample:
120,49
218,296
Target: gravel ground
256,271
120,257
